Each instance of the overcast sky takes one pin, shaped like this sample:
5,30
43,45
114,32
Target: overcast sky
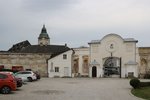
75,22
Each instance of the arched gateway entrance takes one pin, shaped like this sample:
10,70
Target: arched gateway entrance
112,66
94,71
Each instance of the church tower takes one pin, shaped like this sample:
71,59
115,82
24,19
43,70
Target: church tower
43,38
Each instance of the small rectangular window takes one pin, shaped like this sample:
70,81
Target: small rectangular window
56,69
64,56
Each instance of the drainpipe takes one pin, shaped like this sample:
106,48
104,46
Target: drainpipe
89,60
73,52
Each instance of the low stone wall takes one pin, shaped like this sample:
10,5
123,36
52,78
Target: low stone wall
35,62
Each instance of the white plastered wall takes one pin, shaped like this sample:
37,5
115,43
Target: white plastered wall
58,61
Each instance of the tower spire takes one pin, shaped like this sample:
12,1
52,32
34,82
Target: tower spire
44,29
43,38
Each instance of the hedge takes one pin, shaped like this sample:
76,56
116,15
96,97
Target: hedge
135,83
144,84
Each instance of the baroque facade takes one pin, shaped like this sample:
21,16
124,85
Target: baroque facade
144,61
113,56
80,66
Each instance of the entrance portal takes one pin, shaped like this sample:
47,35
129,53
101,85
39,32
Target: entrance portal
94,71
111,67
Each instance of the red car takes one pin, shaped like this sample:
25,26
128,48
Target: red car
7,83
18,80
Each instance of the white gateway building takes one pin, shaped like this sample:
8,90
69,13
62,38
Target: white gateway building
113,56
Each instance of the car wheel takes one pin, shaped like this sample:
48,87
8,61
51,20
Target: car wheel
29,79
5,90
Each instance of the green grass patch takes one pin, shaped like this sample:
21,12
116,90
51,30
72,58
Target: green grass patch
143,92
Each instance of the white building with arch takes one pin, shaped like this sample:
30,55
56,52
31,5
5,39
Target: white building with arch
113,56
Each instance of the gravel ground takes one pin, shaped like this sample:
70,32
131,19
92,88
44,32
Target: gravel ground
73,89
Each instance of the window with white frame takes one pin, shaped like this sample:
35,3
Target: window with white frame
56,69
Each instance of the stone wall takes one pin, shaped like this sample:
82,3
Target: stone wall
36,62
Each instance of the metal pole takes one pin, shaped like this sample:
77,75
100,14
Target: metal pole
120,66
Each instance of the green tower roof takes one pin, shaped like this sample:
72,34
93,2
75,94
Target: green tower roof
43,33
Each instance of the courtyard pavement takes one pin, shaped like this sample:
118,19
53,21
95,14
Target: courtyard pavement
74,89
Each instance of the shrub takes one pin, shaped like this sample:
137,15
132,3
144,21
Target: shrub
135,83
144,84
